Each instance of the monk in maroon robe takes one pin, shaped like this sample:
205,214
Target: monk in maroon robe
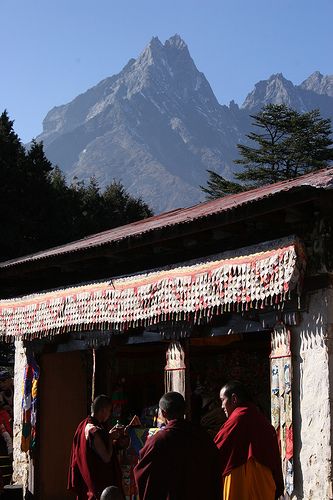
180,462
94,463
249,452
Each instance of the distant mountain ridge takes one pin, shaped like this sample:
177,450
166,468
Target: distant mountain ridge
319,84
315,92
157,126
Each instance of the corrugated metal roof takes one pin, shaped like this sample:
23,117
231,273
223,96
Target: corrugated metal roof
322,179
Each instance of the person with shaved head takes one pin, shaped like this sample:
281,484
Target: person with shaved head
248,446
180,462
112,493
94,464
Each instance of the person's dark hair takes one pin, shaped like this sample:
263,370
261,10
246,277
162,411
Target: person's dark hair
99,403
236,387
4,375
111,493
173,404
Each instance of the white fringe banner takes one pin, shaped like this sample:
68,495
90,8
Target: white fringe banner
236,281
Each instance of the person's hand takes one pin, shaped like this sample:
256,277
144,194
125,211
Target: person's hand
114,433
125,431
123,440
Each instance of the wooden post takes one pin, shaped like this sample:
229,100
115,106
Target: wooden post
187,379
175,368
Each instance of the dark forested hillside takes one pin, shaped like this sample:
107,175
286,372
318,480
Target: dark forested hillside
39,210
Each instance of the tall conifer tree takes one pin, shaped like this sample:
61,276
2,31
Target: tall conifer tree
39,210
288,144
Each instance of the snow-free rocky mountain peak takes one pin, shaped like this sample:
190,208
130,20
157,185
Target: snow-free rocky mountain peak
157,126
319,83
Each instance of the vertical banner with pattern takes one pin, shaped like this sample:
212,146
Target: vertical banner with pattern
29,405
281,400
174,379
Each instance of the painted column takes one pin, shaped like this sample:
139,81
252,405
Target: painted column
175,368
22,464
281,401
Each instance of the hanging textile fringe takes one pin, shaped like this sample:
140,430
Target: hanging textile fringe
29,406
175,369
281,400
192,291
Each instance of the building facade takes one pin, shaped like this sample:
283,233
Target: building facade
239,287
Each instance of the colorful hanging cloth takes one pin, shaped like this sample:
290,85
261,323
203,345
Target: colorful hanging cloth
29,406
258,276
281,401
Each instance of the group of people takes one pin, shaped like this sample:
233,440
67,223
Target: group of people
181,461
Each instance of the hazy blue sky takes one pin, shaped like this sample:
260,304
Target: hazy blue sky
52,50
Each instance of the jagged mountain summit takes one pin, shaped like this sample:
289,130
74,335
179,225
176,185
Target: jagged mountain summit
275,90
315,92
157,126
319,84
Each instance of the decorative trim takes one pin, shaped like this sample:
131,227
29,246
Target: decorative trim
281,401
191,291
174,371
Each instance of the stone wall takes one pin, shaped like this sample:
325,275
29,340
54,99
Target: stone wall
22,464
312,388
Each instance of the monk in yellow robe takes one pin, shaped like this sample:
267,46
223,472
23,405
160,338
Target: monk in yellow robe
249,452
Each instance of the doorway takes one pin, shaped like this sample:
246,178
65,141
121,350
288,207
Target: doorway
62,405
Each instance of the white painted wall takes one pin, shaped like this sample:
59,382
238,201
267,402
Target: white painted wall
312,395
21,460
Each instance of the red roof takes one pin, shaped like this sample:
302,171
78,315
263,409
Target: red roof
322,179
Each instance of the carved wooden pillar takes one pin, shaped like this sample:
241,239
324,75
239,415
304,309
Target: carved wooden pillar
175,369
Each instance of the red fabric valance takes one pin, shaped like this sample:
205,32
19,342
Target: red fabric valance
248,277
